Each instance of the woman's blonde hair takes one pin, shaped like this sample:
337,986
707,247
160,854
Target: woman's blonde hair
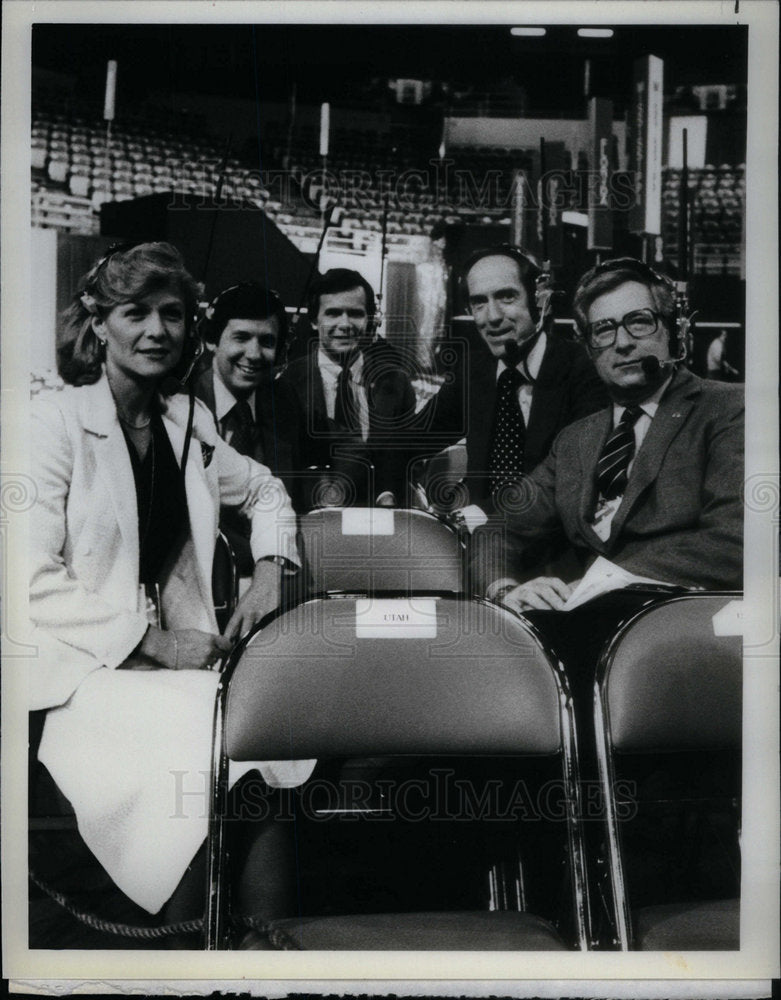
124,274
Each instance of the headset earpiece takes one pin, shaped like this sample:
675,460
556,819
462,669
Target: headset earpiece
681,322
529,267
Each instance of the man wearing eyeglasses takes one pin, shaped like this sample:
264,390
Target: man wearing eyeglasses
653,483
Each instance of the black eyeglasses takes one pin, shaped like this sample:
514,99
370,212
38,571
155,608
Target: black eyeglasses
639,323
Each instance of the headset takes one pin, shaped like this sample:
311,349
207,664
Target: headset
682,318
536,280
193,345
259,299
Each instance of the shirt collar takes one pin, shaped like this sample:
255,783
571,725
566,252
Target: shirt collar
648,406
333,369
530,368
224,400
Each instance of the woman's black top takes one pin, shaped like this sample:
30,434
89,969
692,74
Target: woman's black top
163,520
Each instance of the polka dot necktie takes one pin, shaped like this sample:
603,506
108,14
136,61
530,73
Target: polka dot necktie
619,449
240,422
505,461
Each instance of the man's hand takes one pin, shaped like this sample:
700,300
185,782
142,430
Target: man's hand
262,596
543,593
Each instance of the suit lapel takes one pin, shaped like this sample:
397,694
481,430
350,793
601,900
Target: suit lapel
674,408
315,394
592,439
546,397
98,415
201,507
481,400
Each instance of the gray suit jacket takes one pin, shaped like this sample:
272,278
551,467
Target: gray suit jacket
681,518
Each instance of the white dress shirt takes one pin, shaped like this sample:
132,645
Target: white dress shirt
330,372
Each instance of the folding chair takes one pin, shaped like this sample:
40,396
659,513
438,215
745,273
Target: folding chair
341,677
371,549
668,716
442,479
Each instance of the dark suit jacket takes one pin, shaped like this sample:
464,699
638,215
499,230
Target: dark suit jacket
275,418
681,518
379,463
567,388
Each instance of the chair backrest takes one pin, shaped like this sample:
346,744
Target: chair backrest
352,677
668,683
443,478
671,682
371,549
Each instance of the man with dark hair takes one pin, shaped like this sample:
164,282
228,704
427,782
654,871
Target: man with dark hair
245,332
517,394
653,483
355,400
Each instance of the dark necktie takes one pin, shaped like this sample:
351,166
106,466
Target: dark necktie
505,462
239,420
345,410
613,465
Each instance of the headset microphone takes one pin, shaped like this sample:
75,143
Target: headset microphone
651,365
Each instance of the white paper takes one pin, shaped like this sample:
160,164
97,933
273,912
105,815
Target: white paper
396,618
601,577
367,521
730,620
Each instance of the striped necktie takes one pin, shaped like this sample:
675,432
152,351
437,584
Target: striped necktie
619,449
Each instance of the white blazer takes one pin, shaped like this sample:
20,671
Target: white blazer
84,590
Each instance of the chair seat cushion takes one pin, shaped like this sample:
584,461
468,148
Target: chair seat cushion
480,931
713,925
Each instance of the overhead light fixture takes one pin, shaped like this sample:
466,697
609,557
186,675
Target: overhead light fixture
595,32
528,32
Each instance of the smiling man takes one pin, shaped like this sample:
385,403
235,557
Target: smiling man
521,390
245,330
653,483
356,402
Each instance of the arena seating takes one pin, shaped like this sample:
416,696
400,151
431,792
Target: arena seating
717,203
77,167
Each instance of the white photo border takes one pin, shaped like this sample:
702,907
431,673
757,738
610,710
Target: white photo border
498,973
